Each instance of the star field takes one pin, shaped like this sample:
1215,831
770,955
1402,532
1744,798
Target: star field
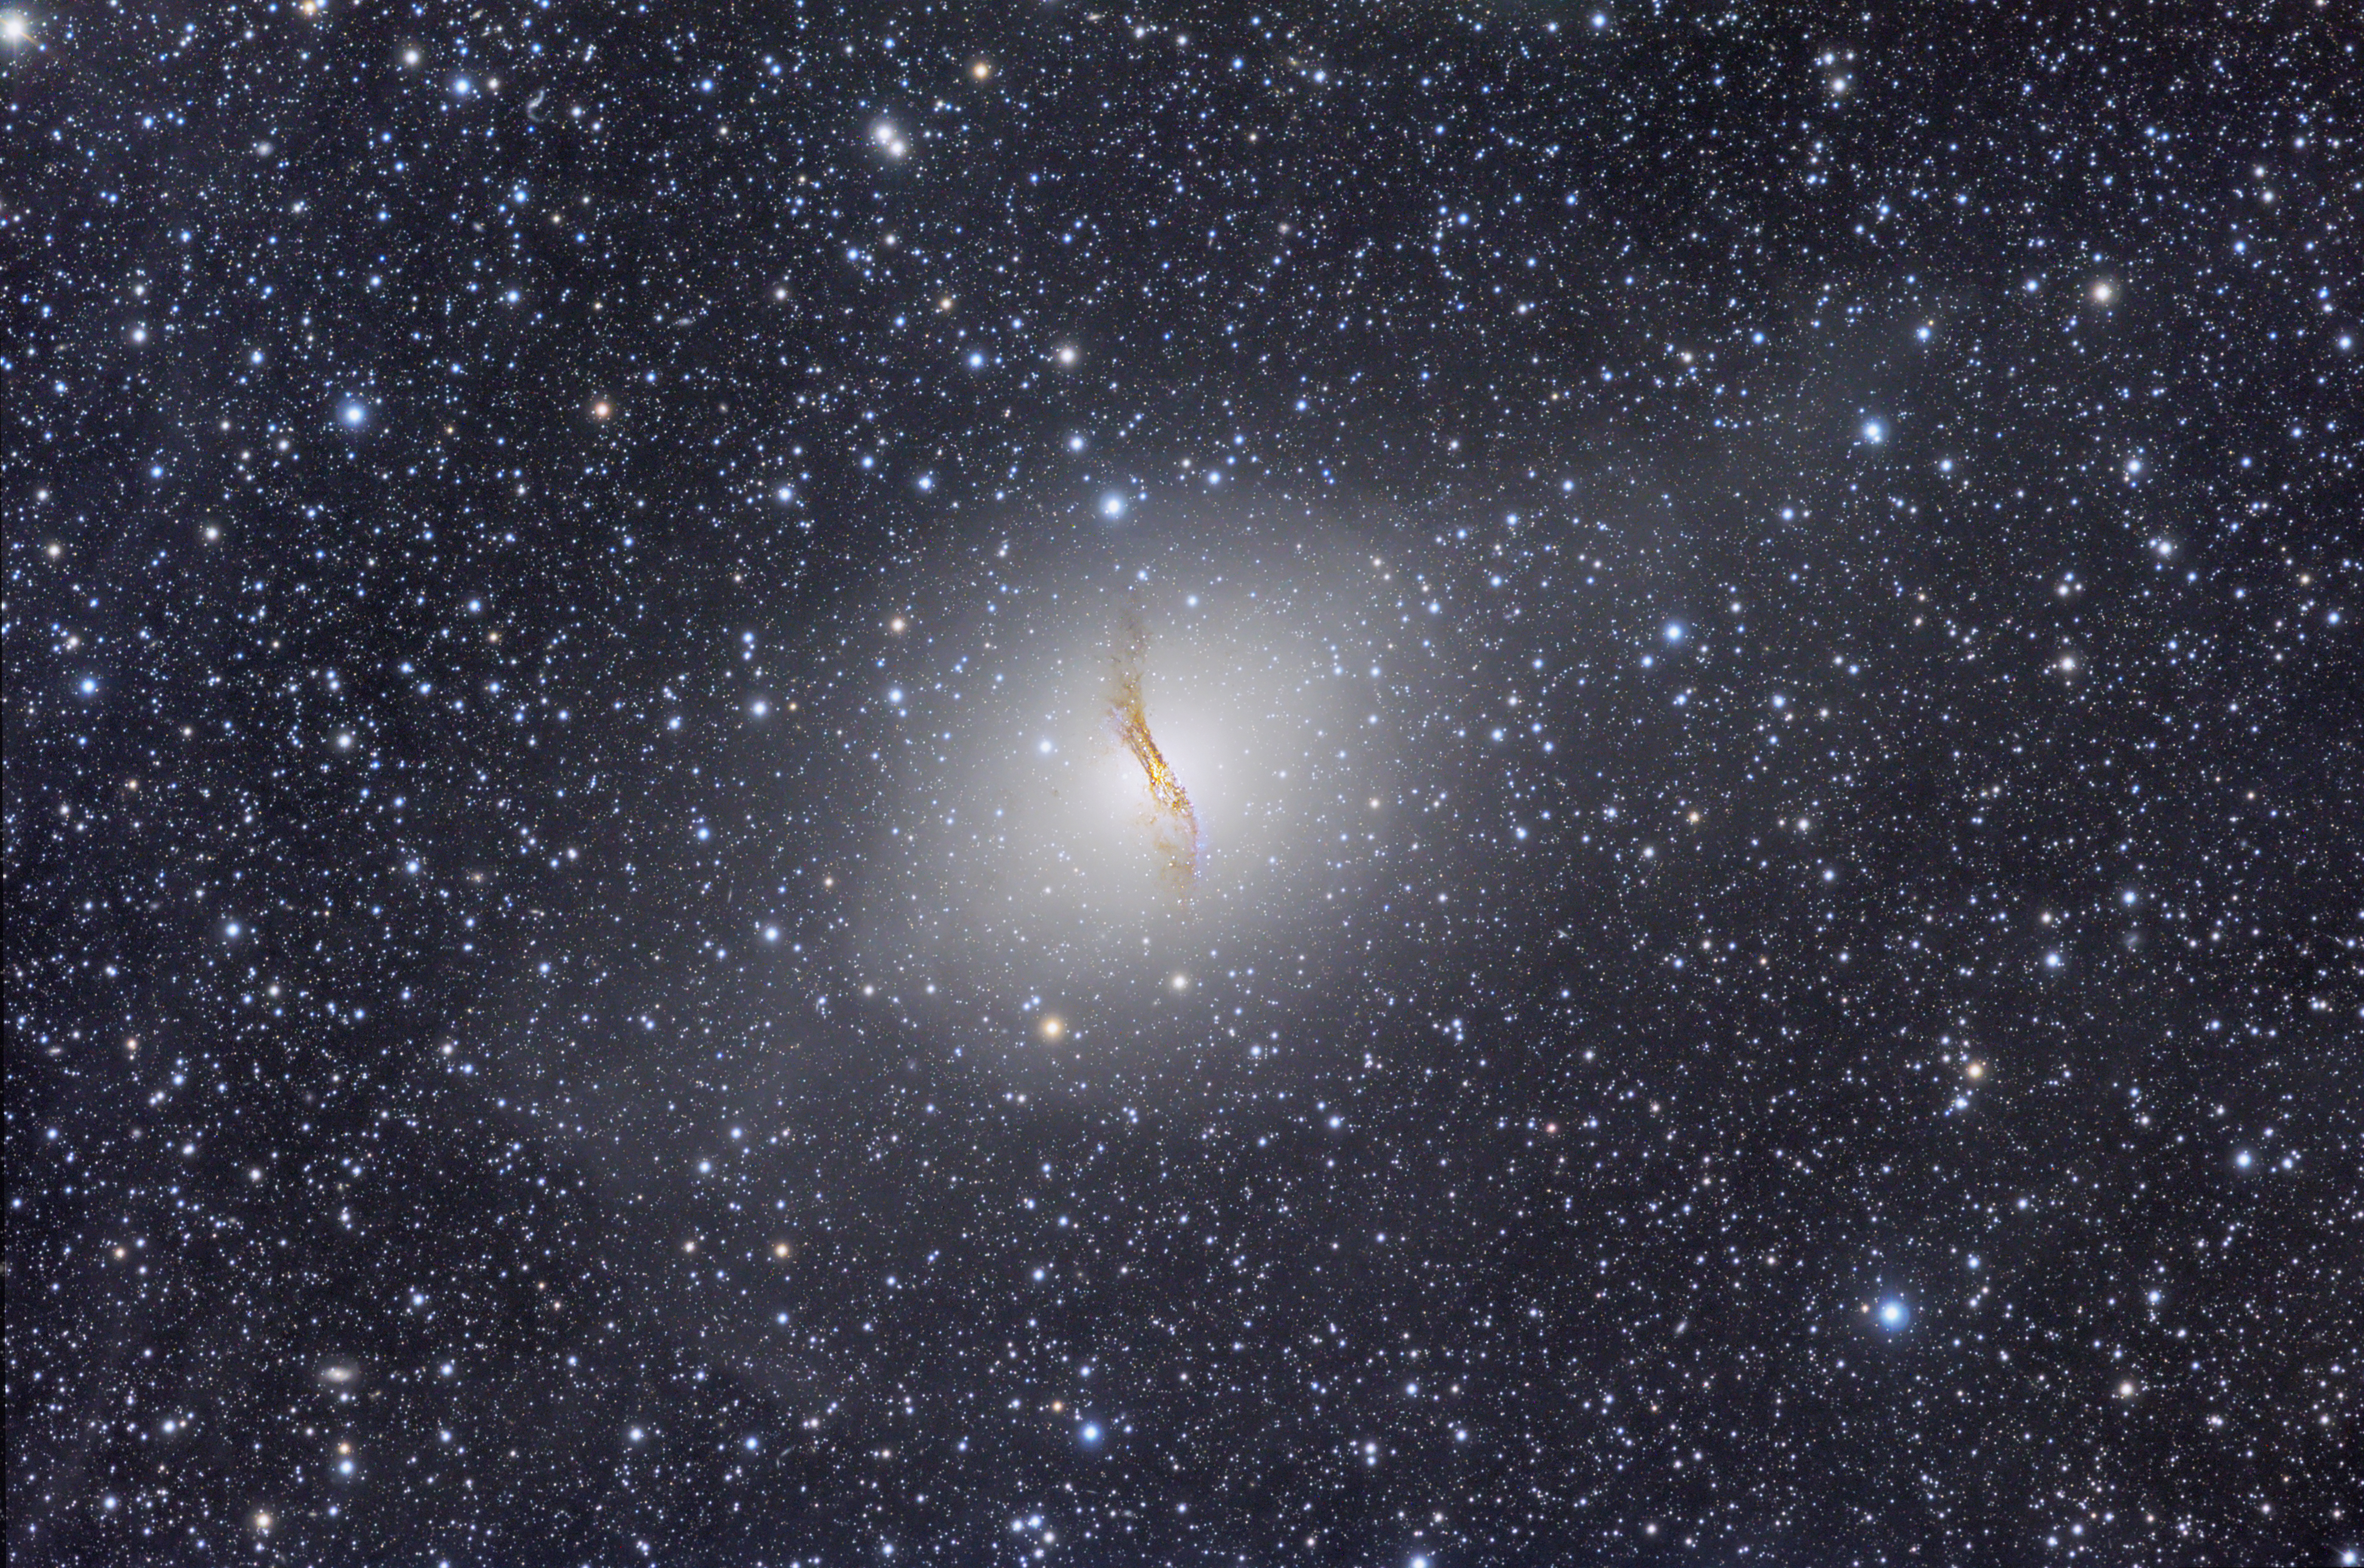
1753,612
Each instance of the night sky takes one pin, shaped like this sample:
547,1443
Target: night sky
1757,609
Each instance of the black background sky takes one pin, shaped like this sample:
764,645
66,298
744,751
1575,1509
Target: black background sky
1833,1040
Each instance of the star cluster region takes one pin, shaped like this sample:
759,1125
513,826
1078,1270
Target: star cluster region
1757,609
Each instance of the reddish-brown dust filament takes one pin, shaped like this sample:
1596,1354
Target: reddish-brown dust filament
1174,826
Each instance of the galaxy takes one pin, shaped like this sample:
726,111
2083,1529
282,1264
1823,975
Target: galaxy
1410,786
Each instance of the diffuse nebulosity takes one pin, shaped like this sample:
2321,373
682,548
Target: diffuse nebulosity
717,851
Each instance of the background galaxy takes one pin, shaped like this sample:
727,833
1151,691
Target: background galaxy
1757,606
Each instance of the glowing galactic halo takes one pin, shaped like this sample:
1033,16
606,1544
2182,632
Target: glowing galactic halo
1108,766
